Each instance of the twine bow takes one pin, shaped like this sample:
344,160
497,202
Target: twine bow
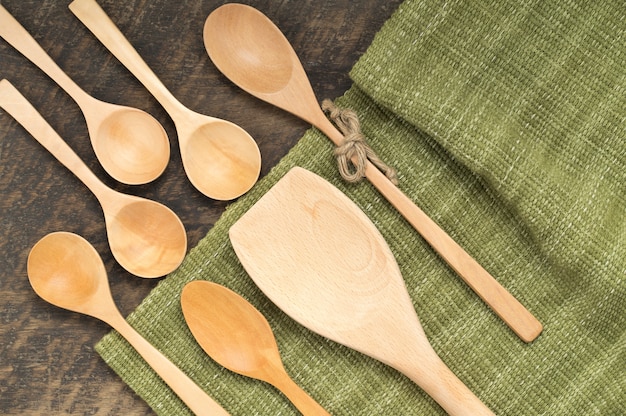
354,152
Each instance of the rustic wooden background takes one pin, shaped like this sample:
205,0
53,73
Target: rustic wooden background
47,361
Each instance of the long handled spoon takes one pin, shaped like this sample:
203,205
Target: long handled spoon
221,160
320,259
129,143
146,237
236,335
66,271
253,53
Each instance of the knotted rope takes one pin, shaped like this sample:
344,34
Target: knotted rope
354,152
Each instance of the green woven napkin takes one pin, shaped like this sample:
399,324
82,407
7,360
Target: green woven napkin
507,123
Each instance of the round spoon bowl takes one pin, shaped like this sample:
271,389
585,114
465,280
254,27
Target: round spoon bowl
130,144
146,238
220,159
65,270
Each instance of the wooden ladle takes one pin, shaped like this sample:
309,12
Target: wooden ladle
146,237
66,271
253,53
236,335
221,160
129,143
320,259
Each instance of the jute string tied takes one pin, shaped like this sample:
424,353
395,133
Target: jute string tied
354,152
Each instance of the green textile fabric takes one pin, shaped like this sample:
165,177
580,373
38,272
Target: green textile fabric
507,123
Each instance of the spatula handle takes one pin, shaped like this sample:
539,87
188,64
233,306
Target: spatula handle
189,392
436,379
502,302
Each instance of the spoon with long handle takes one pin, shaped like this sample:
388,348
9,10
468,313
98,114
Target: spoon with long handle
146,238
236,335
66,271
129,143
320,259
221,160
252,52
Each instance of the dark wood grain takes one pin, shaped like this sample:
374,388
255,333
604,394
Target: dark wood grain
47,361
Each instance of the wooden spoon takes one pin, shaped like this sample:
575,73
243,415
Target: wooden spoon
146,237
318,257
236,335
66,271
221,160
129,143
253,53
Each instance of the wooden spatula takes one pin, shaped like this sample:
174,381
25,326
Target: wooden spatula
318,257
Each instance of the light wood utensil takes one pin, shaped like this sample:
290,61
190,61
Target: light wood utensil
129,143
221,160
320,259
66,271
236,335
146,237
253,53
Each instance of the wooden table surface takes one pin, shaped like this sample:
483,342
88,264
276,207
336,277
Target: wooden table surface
47,360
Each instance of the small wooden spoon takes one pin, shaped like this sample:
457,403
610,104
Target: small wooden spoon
146,237
320,259
129,143
221,160
236,335
253,53
66,271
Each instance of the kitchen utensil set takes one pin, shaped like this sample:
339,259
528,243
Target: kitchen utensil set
310,249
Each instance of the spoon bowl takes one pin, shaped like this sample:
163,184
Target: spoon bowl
66,271
214,150
318,257
146,238
251,51
233,45
129,143
236,335
220,158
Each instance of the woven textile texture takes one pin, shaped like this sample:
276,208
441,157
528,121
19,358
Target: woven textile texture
506,121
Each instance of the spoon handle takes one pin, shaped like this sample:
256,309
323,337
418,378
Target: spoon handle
189,392
300,399
502,302
18,37
98,22
14,103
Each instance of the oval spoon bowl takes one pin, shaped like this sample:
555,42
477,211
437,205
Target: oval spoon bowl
236,335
